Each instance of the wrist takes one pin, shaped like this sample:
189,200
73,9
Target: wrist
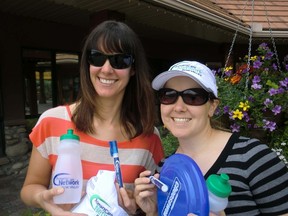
152,214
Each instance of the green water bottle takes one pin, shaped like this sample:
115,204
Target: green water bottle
219,190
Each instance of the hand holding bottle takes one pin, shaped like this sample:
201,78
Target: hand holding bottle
45,200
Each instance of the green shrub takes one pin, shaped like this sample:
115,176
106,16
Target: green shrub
170,143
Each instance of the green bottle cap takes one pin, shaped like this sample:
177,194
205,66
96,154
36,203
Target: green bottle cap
219,185
69,135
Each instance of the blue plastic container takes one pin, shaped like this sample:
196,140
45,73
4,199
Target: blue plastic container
187,191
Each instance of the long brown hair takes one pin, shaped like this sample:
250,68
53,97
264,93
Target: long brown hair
137,113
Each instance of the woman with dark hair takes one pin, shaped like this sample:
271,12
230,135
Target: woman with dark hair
188,96
115,102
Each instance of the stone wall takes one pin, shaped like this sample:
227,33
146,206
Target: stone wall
17,151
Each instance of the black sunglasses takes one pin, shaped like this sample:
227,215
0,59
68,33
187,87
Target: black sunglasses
117,61
193,96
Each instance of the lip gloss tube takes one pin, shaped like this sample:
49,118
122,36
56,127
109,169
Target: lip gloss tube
159,184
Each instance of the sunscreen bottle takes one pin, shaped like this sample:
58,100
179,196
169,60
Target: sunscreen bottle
68,169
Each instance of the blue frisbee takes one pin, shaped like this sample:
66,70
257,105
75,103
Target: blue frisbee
187,191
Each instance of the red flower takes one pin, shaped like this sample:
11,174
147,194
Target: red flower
243,69
235,78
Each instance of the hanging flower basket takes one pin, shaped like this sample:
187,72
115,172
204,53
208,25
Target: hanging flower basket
255,97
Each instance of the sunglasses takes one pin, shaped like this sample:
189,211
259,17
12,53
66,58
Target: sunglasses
193,96
117,61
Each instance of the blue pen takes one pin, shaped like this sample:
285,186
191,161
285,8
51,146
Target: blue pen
114,154
159,184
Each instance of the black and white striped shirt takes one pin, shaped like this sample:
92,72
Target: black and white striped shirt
259,179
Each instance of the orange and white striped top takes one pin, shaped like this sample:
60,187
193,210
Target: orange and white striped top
139,154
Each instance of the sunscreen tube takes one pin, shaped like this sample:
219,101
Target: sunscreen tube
159,184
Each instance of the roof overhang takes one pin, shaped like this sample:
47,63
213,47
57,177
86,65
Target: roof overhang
173,20
202,11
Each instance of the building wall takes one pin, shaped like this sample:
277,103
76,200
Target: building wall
19,32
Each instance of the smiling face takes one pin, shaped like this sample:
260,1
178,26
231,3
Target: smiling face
186,120
109,82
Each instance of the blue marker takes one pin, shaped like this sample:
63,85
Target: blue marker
159,184
114,154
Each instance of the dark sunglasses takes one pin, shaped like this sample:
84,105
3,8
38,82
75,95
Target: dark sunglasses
193,96
117,61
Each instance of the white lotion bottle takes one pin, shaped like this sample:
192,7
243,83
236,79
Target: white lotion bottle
68,169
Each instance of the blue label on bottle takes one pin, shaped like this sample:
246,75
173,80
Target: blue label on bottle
64,180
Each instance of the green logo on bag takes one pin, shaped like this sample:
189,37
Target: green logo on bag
100,205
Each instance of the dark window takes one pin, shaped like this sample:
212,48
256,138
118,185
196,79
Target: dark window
51,79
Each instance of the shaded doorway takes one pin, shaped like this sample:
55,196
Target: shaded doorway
51,79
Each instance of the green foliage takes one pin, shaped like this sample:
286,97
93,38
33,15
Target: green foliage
280,144
29,212
170,143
